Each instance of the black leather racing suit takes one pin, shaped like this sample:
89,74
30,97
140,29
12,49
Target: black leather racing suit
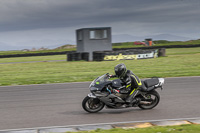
132,83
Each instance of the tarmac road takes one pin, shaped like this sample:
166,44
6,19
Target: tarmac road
60,105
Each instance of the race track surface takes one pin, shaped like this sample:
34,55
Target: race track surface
60,105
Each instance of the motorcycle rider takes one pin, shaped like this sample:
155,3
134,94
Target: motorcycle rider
131,82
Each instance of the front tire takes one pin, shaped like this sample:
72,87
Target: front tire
92,105
152,99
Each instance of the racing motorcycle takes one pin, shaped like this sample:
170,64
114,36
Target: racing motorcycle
105,92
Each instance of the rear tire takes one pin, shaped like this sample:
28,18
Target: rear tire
92,105
153,97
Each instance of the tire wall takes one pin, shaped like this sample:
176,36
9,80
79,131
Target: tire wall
77,56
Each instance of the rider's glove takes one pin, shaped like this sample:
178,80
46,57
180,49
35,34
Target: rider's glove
107,74
112,76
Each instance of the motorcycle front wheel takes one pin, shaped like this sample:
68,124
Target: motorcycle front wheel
150,100
92,105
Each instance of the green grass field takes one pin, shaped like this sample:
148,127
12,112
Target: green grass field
33,58
179,62
28,52
157,129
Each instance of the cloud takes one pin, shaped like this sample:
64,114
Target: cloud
27,20
26,15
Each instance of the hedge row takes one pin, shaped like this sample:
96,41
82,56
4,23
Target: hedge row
35,54
157,47
115,49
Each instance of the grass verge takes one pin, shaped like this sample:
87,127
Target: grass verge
179,62
168,129
30,52
33,58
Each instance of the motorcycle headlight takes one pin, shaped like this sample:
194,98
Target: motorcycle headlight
94,89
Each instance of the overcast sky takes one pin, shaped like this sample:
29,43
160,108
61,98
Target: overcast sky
28,23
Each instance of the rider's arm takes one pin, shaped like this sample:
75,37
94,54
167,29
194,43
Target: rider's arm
135,80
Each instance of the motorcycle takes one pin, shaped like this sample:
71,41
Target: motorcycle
105,92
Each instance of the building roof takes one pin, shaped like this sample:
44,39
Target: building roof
95,28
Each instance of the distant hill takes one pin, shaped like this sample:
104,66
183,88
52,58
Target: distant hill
126,38
170,37
53,44
130,38
67,46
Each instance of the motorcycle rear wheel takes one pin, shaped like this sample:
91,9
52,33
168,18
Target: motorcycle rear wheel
152,98
92,105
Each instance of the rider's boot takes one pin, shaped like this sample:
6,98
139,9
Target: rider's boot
133,103
130,100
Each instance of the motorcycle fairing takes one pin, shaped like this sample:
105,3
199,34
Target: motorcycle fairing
99,83
117,83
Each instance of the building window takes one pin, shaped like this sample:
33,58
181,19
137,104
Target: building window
80,35
105,34
98,34
92,34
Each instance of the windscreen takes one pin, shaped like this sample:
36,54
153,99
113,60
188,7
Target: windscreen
102,79
100,82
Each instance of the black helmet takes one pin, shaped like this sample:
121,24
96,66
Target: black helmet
120,70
